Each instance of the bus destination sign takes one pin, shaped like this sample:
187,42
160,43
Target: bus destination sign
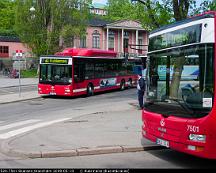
188,35
56,61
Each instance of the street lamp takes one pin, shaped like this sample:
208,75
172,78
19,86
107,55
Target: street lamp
32,10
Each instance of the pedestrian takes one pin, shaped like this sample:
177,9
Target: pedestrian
5,72
140,90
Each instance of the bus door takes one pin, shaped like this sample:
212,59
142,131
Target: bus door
79,77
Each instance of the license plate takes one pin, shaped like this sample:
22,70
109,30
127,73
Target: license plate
52,93
162,142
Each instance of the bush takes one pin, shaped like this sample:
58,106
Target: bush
29,73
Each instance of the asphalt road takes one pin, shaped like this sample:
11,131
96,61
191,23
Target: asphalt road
50,107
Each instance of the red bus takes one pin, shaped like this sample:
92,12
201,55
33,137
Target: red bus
180,111
83,71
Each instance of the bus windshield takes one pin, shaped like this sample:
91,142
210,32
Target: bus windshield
55,74
180,81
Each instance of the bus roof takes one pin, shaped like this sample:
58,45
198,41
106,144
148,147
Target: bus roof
83,52
208,14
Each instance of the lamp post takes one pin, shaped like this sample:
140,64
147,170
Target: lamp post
32,10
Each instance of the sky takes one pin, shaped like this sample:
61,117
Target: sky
100,1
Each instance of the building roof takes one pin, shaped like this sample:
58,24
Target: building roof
9,39
126,24
97,22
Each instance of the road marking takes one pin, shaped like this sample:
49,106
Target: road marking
29,128
9,126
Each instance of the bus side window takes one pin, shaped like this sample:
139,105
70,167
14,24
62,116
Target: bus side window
79,72
89,70
82,72
99,70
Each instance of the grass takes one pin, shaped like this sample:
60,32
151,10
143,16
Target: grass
29,73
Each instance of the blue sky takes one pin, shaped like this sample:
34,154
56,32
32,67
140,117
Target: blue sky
100,1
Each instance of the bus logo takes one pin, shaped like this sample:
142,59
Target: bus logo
162,123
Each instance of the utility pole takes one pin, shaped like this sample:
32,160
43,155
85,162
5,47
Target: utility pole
19,56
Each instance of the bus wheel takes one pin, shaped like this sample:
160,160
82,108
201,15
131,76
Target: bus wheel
122,85
90,90
130,84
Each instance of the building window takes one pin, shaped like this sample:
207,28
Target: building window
96,39
111,43
140,42
126,34
83,42
4,49
111,40
126,45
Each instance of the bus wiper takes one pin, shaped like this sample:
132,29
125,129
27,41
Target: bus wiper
149,102
185,107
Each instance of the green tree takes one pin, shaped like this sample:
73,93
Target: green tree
166,11
50,21
154,14
181,10
7,17
119,10
212,5
151,14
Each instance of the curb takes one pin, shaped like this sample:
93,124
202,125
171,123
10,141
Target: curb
6,149
13,86
14,101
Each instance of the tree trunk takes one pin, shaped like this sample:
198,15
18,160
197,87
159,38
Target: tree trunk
180,9
176,77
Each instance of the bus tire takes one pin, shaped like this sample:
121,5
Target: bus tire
122,85
90,90
130,83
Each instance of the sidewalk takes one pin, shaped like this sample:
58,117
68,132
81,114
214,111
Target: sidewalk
10,98
8,82
99,130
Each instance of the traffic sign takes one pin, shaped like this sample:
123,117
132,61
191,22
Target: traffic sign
19,53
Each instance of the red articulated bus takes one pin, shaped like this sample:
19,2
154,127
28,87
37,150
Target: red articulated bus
75,72
180,111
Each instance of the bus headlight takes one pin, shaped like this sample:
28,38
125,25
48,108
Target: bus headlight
197,138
